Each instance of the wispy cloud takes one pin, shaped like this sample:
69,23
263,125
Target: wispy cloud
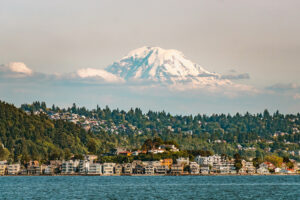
284,87
236,76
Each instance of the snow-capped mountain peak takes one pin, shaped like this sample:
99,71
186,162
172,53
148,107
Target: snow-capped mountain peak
160,65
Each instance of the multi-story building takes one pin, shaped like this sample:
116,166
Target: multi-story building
167,162
33,168
139,169
95,168
162,169
204,169
176,169
194,168
210,160
83,166
13,169
49,170
69,167
108,169
149,169
183,161
118,169
3,168
128,168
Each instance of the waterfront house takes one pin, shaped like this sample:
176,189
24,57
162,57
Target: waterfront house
128,168
69,167
118,169
204,169
162,169
13,169
83,166
49,170
277,170
3,168
33,168
263,169
149,169
95,169
194,168
139,169
177,169
108,169
56,166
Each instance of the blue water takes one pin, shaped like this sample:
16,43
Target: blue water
147,187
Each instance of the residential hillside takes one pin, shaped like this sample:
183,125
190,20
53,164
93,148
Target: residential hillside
250,135
36,132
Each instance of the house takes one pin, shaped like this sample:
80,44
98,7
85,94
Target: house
204,169
183,161
83,166
156,151
139,169
169,147
263,169
194,168
33,168
116,151
277,170
136,153
69,167
247,168
108,169
3,168
167,162
49,170
162,169
118,169
269,165
128,168
95,169
13,169
149,169
90,158
56,166
125,153
210,160
177,169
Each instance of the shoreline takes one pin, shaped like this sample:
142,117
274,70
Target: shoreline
144,175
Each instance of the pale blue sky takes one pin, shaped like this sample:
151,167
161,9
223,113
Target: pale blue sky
259,37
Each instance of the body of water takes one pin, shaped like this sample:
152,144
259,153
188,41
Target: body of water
150,187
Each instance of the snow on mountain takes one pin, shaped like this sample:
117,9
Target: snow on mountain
164,66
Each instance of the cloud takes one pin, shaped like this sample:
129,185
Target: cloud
20,68
98,73
296,96
236,76
284,87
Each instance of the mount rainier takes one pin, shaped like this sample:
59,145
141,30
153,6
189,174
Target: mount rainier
157,66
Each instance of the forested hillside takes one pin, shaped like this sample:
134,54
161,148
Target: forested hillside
37,137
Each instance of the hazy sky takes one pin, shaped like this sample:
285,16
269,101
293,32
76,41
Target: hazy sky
259,37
